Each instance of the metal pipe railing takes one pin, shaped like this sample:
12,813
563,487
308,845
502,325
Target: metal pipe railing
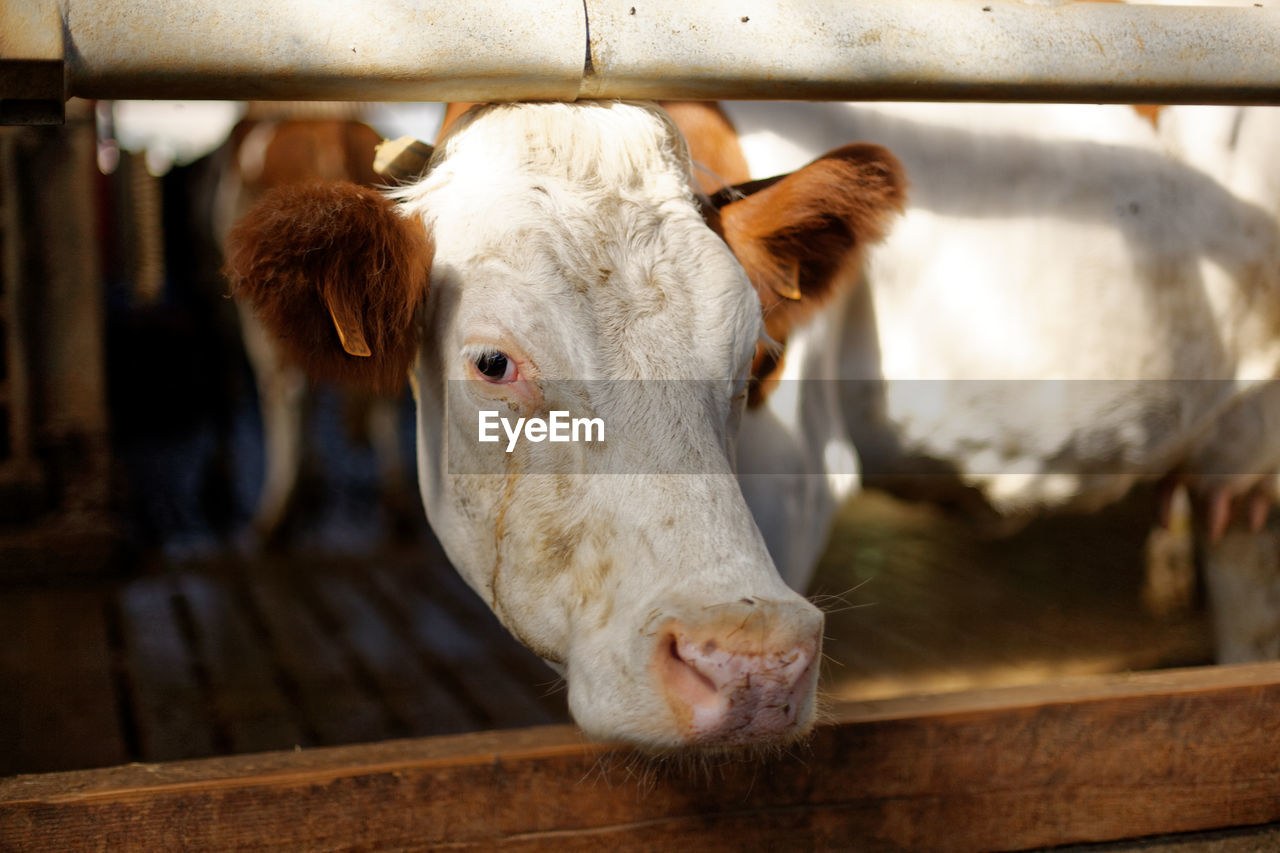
438,50
990,50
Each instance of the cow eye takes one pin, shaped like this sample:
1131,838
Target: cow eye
495,367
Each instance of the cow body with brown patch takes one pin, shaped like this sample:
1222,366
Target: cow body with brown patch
556,257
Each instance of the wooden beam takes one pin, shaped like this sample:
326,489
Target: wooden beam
1086,760
56,662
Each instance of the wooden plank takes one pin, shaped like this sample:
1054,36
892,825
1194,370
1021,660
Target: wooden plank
12,665
435,578
463,650
1081,761
62,705
338,708
1249,839
246,696
169,705
423,705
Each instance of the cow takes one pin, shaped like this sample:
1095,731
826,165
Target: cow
1067,307
557,258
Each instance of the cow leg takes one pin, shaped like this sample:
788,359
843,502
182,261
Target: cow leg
1242,579
281,399
1169,586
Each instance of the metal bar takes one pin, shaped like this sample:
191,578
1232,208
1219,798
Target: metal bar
435,50
926,50
371,50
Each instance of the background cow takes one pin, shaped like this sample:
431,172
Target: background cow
1233,469
278,146
1064,310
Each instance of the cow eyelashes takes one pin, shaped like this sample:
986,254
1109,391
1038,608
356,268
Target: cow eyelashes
495,367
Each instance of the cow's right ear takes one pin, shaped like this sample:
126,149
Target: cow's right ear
797,235
337,275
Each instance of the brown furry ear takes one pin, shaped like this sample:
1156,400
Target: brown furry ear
802,235
328,266
797,235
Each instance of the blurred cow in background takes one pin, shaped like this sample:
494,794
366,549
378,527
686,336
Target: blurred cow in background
1232,471
1065,310
281,145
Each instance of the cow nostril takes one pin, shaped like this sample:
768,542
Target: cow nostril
684,679
732,680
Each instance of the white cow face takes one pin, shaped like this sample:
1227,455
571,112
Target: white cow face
572,271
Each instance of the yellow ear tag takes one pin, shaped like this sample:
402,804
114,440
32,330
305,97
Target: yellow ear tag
350,332
788,288
402,160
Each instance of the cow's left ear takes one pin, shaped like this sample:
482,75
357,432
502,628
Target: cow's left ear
337,276
800,235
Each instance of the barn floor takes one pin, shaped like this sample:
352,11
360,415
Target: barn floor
236,654
923,604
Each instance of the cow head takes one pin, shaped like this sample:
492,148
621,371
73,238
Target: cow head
554,258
